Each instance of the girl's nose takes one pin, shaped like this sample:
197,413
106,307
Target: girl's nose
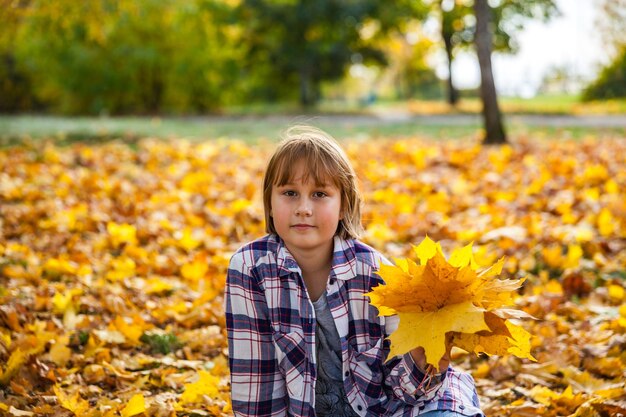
304,209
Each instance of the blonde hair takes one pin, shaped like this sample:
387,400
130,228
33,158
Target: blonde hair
325,160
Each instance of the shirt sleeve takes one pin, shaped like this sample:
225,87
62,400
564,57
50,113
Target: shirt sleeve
257,387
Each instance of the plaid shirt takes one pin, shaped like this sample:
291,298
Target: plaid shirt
271,339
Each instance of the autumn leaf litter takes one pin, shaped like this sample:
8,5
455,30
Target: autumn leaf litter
113,261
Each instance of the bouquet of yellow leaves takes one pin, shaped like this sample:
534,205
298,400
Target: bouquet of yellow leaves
440,298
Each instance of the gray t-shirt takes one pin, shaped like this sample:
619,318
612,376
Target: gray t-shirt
330,396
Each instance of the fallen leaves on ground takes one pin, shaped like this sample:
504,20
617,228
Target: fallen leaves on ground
113,264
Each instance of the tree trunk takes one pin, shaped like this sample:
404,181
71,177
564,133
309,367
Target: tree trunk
307,88
491,112
453,94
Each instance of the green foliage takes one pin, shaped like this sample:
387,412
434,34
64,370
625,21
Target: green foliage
193,56
419,80
15,87
160,343
508,20
611,83
79,339
123,56
292,46
16,91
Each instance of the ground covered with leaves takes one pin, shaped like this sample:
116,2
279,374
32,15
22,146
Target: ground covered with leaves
113,260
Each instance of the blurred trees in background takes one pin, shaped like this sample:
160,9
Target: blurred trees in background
16,91
121,56
194,56
302,43
489,26
408,74
458,26
611,83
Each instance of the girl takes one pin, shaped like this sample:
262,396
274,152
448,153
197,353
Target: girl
303,340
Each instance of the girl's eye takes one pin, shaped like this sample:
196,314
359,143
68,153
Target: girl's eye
319,194
289,193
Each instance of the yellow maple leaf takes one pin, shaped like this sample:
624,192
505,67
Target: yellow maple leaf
512,340
543,395
606,225
122,233
379,233
60,354
136,405
15,362
5,338
156,285
574,254
239,205
553,256
194,271
429,329
616,292
62,301
132,332
121,268
58,266
427,249
440,297
187,240
207,384
73,403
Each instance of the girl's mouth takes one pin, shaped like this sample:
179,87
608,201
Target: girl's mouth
302,226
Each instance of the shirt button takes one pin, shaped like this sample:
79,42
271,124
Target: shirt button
358,407
346,374
461,407
332,281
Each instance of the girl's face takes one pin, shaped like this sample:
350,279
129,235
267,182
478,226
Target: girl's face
306,215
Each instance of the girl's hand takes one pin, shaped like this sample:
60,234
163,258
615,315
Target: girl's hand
419,358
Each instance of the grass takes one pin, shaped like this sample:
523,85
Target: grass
67,130
428,119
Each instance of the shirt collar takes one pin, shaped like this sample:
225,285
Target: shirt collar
343,264
285,261
344,259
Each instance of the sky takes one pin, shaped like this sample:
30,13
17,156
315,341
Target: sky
569,40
